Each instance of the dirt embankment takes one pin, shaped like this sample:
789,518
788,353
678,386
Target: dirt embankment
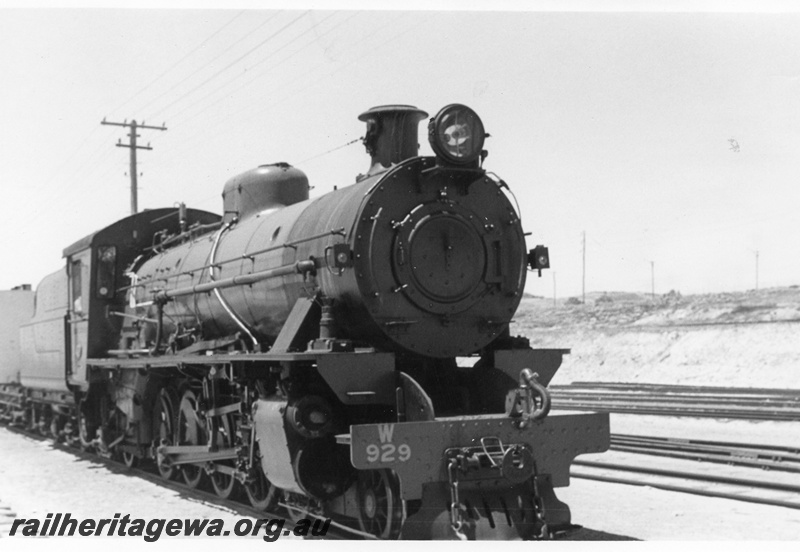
748,339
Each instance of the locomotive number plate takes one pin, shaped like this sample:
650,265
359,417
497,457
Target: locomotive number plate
379,447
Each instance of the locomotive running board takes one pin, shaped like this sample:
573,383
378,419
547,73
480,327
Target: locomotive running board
172,361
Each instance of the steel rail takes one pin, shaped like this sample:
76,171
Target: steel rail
662,409
681,402
685,489
678,401
761,456
729,480
714,458
681,388
785,454
744,398
700,401
767,449
684,397
691,401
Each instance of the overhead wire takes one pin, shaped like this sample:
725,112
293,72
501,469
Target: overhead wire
68,198
209,63
172,67
177,115
68,187
83,173
67,159
318,76
82,143
324,153
234,62
187,145
90,162
314,72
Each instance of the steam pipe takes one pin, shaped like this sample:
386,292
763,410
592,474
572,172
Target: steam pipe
159,328
239,322
300,267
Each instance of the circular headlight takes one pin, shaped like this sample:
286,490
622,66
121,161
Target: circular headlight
456,134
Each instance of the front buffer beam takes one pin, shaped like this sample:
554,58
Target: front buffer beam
462,470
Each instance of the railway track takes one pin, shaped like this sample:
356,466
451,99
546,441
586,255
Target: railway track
770,457
285,510
684,468
679,400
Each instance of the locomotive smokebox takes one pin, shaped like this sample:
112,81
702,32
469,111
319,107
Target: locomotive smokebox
265,187
391,134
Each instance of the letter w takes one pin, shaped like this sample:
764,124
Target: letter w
385,432
194,527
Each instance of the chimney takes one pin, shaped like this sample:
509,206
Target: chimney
391,134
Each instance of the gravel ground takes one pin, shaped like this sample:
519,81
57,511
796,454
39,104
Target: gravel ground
653,514
36,479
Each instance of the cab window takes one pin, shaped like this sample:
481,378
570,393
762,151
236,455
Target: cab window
106,271
75,276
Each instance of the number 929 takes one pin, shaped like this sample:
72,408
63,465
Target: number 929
388,453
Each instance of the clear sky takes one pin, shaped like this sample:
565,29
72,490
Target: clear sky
666,137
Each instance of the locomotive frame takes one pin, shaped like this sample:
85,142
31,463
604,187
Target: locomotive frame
346,356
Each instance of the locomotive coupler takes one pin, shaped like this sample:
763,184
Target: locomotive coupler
456,522
513,462
530,401
478,465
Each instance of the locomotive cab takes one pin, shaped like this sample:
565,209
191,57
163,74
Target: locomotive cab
96,286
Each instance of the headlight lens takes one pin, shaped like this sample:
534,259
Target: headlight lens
456,134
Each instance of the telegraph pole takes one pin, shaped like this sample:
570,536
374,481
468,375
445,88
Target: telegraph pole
653,280
554,288
756,270
133,147
583,286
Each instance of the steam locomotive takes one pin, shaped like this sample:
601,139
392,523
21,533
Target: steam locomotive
346,355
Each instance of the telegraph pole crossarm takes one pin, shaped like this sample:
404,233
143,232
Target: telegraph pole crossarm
134,123
133,147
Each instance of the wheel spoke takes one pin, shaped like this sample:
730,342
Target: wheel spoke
380,508
224,485
190,434
261,493
165,414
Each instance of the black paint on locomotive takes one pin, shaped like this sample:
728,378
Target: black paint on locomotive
307,349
